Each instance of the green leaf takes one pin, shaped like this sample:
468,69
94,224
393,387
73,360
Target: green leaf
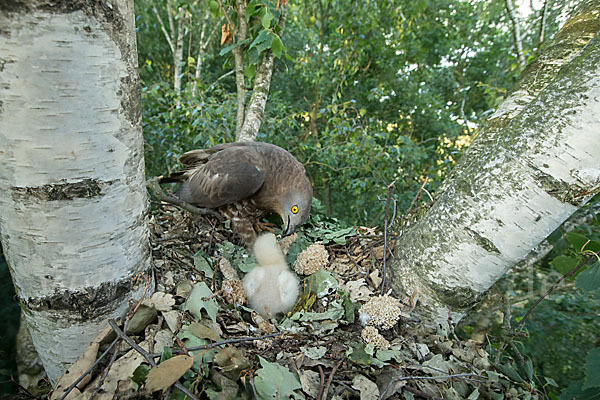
322,283
266,44
276,46
358,355
203,265
527,369
166,354
140,374
213,7
262,36
266,19
274,381
195,303
589,279
551,381
564,264
510,371
227,49
576,391
592,370
579,241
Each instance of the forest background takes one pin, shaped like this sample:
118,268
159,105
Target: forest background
365,93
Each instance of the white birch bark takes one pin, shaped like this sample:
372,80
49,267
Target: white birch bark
238,56
258,101
529,169
72,196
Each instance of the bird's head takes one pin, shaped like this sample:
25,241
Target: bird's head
295,208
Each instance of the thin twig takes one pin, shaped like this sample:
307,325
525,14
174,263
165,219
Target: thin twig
330,379
567,275
147,356
321,384
72,386
390,190
106,371
224,342
418,194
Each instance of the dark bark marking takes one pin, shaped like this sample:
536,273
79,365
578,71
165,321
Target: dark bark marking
86,188
87,303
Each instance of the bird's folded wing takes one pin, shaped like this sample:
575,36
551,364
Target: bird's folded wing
221,181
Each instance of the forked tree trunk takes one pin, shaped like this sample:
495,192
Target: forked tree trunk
73,205
531,167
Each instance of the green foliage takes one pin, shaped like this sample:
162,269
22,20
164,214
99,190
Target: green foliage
592,370
275,382
196,302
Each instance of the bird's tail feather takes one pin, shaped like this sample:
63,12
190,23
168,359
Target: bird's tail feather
267,251
174,177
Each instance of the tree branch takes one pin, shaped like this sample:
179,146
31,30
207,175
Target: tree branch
260,90
162,27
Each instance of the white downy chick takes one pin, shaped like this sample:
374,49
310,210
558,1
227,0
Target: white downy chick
271,287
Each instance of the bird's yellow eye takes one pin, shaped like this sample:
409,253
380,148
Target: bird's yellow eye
294,209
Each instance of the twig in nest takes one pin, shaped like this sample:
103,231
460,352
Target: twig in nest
420,378
330,379
154,187
387,223
147,356
224,342
72,386
321,384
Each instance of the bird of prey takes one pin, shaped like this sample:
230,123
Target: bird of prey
243,181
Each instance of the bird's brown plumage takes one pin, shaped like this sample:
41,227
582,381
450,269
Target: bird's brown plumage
243,180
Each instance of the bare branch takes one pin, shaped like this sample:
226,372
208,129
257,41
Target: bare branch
147,356
162,27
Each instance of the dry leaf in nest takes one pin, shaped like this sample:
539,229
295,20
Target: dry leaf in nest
79,367
168,372
160,301
358,290
262,323
173,319
121,368
311,259
375,278
378,251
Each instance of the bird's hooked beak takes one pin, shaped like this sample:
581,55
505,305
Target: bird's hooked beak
289,229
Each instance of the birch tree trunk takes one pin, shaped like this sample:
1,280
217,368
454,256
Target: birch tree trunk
73,206
255,110
531,167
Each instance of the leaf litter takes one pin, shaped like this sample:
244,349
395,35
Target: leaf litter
217,349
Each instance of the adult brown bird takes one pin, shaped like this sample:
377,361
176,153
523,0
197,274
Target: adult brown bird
244,181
